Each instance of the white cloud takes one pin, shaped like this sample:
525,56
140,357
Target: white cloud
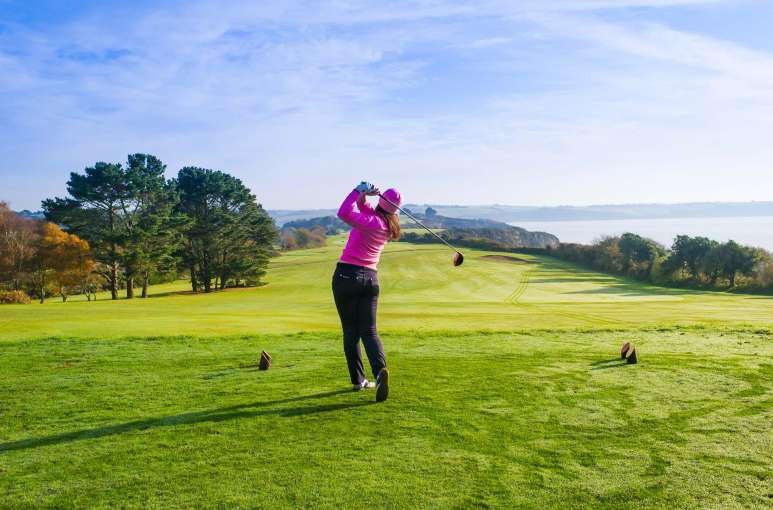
294,97
490,41
663,43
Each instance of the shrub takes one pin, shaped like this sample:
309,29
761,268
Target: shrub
12,297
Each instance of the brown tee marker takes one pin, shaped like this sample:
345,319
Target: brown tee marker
265,361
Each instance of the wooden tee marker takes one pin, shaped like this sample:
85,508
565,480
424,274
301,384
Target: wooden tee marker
628,353
265,361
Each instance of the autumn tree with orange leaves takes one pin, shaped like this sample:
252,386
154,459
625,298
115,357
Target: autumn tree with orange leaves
61,263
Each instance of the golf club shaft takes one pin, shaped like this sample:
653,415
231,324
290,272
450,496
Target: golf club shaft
418,222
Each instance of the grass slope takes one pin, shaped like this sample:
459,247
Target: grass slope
421,291
157,404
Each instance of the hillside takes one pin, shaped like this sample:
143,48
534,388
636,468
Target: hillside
514,213
282,216
501,235
332,224
470,232
35,215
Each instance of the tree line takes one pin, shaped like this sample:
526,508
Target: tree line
299,238
690,261
138,226
39,258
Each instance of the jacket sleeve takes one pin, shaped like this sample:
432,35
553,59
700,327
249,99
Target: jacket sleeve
364,206
363,220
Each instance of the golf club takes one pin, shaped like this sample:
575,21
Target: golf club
458,257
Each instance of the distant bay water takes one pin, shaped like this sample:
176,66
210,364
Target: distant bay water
751,230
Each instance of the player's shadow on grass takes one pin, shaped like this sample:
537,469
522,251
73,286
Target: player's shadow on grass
212,415
603,364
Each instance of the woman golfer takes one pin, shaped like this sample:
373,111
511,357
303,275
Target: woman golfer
355,281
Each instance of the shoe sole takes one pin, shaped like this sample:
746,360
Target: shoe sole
382,390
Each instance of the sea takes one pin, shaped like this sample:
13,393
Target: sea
751,230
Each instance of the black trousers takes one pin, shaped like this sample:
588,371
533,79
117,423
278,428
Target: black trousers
356,289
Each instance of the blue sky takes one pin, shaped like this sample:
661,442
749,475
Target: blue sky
539,102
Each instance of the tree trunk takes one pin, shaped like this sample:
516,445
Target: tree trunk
207,278
130,287
732,280
145,278
194,279
114,280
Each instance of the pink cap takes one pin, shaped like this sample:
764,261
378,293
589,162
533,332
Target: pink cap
393,196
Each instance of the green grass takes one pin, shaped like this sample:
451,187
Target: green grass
421,291
506,393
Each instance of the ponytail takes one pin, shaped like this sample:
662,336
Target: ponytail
393,222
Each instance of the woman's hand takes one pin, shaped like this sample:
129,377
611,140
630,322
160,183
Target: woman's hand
366,188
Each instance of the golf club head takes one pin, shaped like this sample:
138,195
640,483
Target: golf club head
458,259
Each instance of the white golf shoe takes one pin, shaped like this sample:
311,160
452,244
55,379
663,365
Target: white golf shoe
364,385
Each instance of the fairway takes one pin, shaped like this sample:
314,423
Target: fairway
421,291
507,392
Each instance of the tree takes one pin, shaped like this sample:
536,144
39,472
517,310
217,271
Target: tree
95,211
6,230
735,259
17,246
292,238
153,226
246,247
690,253
429,212
287,239
605,255
126,214
711,264
765,270
331,224
61,261
228,235
637,251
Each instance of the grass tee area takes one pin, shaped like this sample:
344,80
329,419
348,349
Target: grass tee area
506,393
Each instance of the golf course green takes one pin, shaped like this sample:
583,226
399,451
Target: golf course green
507,392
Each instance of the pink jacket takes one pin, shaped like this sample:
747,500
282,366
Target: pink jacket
370,232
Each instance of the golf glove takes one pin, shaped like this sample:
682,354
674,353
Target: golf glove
365,187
